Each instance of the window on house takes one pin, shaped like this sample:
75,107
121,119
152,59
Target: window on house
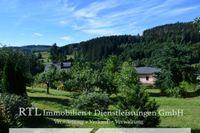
147,78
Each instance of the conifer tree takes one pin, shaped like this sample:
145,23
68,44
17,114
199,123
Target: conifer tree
14,73
133,98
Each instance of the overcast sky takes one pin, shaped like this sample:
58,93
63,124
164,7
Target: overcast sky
26,22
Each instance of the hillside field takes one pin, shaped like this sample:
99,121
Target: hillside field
59,101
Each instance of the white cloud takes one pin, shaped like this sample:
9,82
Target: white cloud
64,22
101,31
114,16
103,16
89,20
37,34
94,8
66,38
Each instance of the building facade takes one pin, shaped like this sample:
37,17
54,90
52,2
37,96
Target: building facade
147,75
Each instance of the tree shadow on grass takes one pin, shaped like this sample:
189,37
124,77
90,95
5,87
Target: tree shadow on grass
42,122
64,102
192,94
154,94
33,91
186,94
195,131
4,130
76,117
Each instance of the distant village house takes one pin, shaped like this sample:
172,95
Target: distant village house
59,66
147,75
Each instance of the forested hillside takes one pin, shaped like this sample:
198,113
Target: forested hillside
145,49
34,48
99,48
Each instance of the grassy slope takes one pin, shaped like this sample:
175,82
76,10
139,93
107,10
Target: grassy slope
59,101
45,57
191,107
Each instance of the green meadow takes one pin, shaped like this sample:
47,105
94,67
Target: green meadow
60,101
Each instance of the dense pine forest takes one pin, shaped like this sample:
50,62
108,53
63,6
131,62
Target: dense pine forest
145,49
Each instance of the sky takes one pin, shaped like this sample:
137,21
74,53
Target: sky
44,22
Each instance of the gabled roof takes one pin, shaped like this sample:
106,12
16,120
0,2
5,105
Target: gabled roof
147,70
63,65
66,64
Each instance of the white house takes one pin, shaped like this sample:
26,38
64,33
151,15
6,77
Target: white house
62,65
147,75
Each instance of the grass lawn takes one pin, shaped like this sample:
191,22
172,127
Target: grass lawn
59,101
45,56
190,106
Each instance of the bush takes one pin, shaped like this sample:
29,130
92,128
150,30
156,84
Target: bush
183,90
2,119
61,87
0,87
71,85
92,101
10,110
187,86
198,90
56,85
136,99
175,92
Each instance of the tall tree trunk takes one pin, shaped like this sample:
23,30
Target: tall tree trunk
47,87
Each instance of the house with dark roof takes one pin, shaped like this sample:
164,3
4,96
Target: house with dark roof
147,75
62,65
